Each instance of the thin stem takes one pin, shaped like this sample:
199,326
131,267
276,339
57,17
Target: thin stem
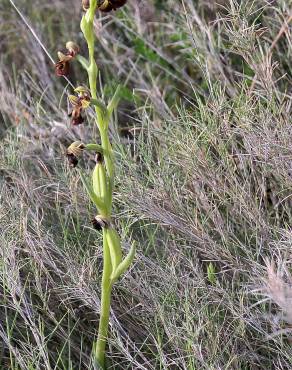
101,120
99,354
109,159
102,124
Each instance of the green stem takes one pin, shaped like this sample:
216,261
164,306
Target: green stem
108,157
106,289
101,119
102,124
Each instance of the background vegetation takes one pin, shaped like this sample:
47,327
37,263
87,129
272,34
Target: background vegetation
203,143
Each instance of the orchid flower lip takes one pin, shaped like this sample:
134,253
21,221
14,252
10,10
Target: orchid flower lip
99,222
98,158
72,159
109,5
62,68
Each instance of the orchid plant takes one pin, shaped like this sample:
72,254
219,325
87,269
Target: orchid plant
100,188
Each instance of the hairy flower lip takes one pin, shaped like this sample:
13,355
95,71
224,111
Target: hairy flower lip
72,159
105,5
62,68
98,158
76,118
109,5
118,3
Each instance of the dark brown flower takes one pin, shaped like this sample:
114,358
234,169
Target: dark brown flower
79,103
62,68
106,6
98,158
74,151
118,3
109,5
99,222
77,120
76,116
72,159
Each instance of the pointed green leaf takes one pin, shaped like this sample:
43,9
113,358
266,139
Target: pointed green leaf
114,101
99,204
100,106
114,244
95,181
94,147
125,264
83,61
